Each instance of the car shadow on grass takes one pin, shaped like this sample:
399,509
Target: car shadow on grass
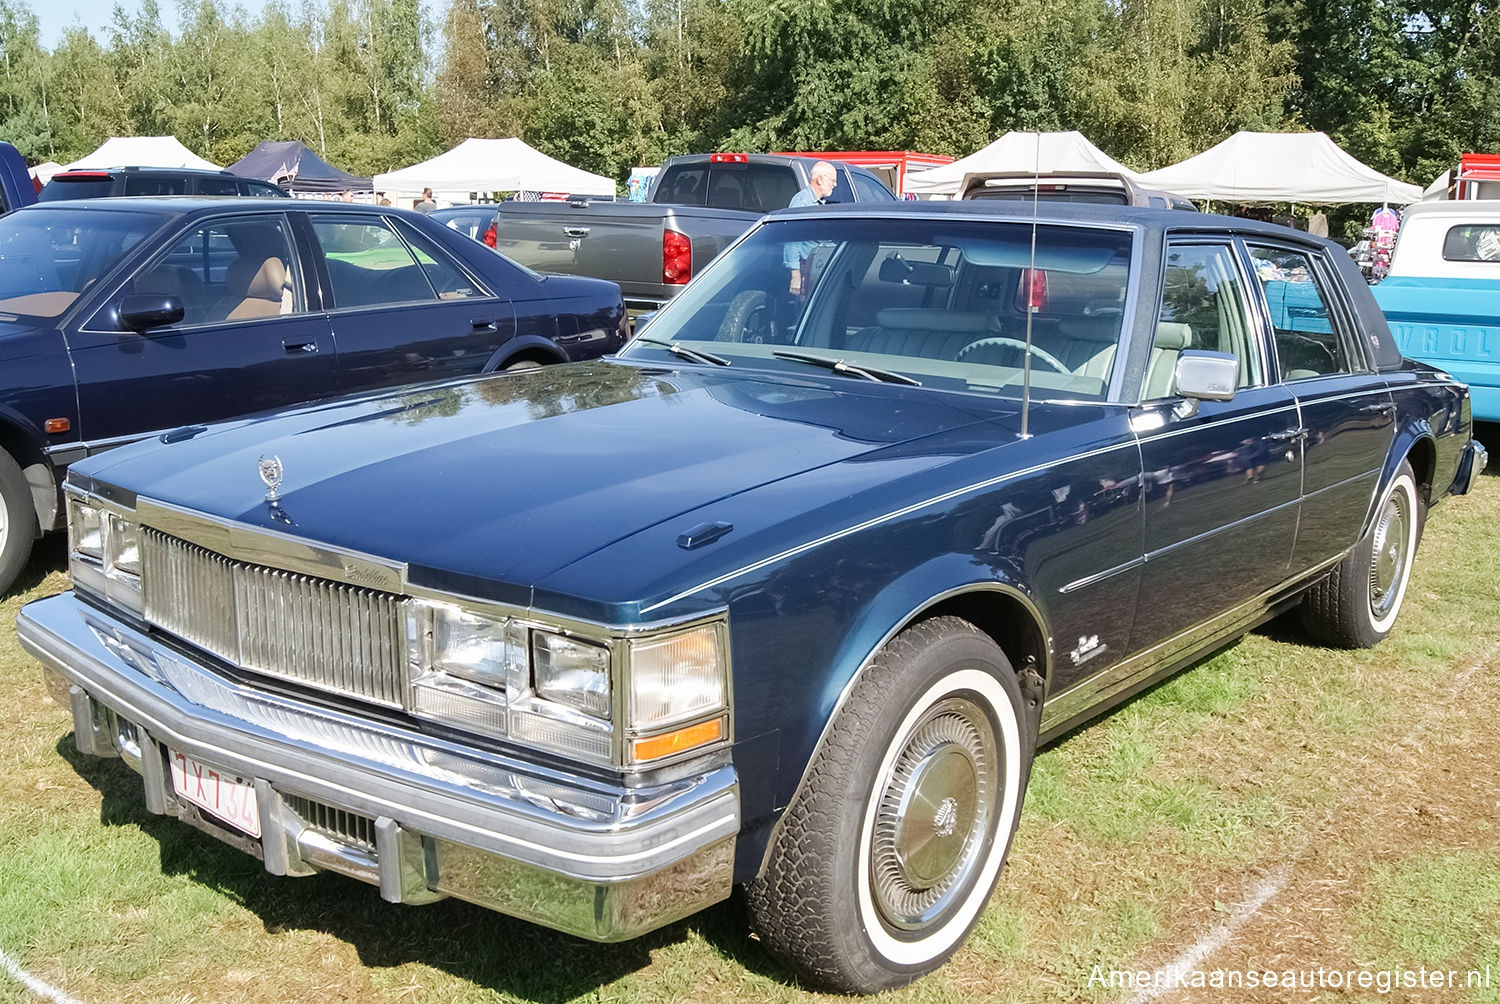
50,554
491,950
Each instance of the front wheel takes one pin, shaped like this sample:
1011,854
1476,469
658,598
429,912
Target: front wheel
887,856
1356,606
18,530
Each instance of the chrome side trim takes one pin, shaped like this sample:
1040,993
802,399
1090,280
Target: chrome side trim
1205,535
1063,707
1089,580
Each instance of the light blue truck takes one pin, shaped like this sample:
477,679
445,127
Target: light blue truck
1442,297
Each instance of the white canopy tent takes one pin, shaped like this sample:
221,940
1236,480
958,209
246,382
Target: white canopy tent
1021,153
492,165
1280,167
44,171
142,151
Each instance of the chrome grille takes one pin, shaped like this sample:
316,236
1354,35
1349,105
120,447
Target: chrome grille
336,637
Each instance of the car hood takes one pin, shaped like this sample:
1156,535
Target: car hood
485,486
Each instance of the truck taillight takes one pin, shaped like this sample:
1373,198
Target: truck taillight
676,258
728,158
1032,289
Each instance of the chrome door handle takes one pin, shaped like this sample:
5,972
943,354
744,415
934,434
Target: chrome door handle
1384,408
575,231
1286,436
294,348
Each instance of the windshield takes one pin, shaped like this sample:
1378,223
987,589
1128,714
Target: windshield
946,303
48,257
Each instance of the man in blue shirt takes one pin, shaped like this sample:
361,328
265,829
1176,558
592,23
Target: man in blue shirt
820,184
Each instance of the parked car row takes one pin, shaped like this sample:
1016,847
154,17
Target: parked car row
123,319
783,597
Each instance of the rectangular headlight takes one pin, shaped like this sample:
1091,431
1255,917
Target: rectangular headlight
86,529
571,672
122,546
676,678
105,553
465,644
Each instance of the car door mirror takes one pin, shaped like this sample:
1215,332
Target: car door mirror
143,311
641,320
1201,375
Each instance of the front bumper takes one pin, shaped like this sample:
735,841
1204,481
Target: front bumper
422,818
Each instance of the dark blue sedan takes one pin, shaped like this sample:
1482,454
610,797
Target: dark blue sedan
127,318
783,597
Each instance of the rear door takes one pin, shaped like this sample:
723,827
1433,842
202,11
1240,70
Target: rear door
1347,419
403,309
247,341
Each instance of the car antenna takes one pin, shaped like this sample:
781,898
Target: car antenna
1030,285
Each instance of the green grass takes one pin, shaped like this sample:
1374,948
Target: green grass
1139,832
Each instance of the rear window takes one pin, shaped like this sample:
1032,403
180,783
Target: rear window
48,257
93,186
1472,242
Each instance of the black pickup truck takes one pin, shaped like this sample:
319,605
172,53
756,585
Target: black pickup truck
698,206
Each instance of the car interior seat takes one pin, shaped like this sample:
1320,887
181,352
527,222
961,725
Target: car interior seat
1161,372
174,280
258,288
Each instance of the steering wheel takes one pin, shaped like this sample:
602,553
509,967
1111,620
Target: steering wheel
1053,363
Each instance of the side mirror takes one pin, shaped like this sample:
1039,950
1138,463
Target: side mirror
641,320
142,311
1204,376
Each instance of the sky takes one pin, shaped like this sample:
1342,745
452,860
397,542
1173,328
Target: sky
56,16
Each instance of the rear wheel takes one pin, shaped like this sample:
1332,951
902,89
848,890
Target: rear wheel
1356,606
887,856
17,521
748,318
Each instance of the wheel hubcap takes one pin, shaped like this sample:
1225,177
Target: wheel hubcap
1388,561
935,814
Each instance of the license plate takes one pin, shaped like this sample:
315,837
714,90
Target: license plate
229,798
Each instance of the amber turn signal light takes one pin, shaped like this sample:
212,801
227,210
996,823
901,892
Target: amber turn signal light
656,747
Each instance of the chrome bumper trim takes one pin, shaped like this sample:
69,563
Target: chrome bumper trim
1474,459
617,861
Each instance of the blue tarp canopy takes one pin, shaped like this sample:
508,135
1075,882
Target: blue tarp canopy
294,167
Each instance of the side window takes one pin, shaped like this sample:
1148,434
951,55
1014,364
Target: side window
1203,306
368,263
262,189
138,185
229,270
444,274
867,189
1309,342
216,187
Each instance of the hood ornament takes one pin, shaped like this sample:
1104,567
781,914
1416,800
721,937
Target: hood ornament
272,473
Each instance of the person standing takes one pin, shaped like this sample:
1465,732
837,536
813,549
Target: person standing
821,181
426,205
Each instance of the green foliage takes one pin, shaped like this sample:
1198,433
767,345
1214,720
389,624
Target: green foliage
609,84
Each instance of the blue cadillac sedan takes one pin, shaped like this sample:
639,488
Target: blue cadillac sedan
121,319
784,597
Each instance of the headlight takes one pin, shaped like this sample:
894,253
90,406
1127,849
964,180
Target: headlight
105,553
675,678
571,672
462,665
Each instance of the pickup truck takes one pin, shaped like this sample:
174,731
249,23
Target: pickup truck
697,207
593,645
1442,295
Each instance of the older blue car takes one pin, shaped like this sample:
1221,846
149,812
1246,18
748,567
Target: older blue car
784,597
122,319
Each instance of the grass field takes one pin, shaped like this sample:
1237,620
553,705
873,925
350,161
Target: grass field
1280,807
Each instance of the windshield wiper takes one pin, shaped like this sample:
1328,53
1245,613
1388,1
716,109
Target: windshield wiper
839,366
684,352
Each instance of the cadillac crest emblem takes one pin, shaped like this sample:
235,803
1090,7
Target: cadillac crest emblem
271,473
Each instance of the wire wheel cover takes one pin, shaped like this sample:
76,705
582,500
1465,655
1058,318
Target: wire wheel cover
1389,553
935,814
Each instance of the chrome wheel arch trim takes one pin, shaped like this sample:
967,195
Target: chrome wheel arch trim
1007,589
